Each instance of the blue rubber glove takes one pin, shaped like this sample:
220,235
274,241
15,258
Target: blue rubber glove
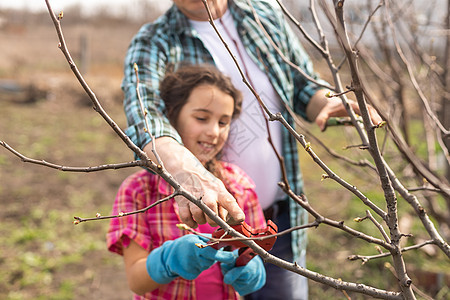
245,279
181,257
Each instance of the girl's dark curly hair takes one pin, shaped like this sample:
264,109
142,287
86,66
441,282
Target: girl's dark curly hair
176,87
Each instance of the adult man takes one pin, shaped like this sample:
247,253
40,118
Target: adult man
184,35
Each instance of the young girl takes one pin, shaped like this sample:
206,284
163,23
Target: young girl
162,261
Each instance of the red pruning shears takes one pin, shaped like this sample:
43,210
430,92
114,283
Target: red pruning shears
245,252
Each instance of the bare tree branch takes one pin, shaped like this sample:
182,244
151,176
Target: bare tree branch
365,258
136,163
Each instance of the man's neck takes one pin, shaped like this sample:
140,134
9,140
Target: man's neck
218,8
215,7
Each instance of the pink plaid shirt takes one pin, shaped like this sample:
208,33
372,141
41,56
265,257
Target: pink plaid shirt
152,228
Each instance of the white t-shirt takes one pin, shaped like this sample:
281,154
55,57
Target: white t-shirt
247,144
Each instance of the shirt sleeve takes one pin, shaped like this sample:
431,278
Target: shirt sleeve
147,51
122,230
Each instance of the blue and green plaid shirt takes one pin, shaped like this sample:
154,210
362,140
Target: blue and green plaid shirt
171,40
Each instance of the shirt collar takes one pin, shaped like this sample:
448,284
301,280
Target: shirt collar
180,23
238,9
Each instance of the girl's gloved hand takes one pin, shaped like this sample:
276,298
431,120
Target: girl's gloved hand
181,257
245,279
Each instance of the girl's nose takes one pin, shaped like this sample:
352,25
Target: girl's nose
213,129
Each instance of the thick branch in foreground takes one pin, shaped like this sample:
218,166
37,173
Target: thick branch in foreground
391,200
334,283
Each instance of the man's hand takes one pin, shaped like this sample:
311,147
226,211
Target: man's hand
190,173
321,108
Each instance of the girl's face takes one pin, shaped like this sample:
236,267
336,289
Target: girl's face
204,121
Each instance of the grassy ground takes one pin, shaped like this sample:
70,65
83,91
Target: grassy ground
44,256
329,249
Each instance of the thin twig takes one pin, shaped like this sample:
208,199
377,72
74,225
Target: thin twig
25,159
380,4
319,219
145,114
422,294
124,214
412,77
378,225
366,258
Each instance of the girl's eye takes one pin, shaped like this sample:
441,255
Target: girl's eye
201,119
224,123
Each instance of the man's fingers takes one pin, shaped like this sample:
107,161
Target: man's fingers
321,119
227,201
213,194
210,200
322,123
197,213
376,118
184,212
223,214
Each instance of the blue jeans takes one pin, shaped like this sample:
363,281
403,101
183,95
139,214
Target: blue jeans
281,283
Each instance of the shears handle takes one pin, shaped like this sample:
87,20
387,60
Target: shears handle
246,253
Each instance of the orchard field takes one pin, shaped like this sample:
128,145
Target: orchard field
45,115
